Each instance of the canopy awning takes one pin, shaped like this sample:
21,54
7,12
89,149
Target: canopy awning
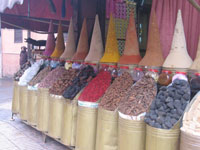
36,14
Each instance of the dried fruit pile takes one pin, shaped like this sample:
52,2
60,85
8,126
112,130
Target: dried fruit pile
86,74
169,105
52,76
96,88
63,82
116,92
41,75
19,73
139,97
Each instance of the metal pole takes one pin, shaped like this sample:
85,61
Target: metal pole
29,33
1,61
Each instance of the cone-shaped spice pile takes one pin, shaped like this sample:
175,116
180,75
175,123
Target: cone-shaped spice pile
96,46
196,63
111,53
60,45
82,49
70,48
178,56
131,53
154,55
50,44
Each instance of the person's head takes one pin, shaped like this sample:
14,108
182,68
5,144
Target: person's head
23,48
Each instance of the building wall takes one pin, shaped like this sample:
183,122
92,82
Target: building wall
11,50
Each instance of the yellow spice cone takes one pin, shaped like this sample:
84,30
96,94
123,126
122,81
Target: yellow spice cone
178,56
196,63
96,47
60,46
111,53
154,55
82,49
70,48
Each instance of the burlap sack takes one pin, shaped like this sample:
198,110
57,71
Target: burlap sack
131,134
55,116
86,128
107,130
23,99
43,109
15,100
32,107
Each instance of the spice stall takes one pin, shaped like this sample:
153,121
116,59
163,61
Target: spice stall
91,99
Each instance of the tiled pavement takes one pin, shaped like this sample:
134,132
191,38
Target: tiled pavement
15,135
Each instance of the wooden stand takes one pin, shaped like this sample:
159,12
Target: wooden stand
45,135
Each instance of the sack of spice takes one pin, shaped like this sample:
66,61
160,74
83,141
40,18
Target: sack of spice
163,119
63,82
41,75
132,109
84,77
30,73
52,76
107,114
88,104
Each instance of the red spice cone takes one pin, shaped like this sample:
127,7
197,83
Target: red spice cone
154,55
96,46
60,45
50,44
131,54
82,49
70,47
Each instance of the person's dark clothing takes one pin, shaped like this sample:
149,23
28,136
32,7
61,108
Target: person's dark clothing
23,57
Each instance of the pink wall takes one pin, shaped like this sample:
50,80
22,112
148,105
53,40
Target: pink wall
12,50
10,64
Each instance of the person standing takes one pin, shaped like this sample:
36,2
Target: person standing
23,56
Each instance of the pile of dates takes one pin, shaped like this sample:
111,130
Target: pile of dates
169,105
86,75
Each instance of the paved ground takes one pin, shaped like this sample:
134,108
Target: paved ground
15,135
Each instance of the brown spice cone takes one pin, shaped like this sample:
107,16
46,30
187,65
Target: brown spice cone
96,46
131,53
154,55
82,49
70,47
